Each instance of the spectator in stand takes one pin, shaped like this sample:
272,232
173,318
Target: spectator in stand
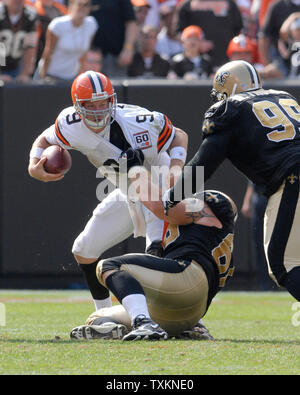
116,35
168,41
141,9
68,39
19,36
259,8
220,21
193,62
46,10
146,62
245,48
153,17
93,60
289,49
277,13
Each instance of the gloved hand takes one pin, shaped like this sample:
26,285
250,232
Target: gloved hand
155,248
133,157
167,201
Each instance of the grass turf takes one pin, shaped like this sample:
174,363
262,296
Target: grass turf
253,333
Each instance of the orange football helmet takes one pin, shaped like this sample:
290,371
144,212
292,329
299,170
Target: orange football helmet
241,44
92,86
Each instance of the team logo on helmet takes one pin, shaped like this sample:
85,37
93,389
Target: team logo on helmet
222,77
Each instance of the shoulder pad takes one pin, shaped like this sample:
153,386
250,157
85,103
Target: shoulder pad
64,121
218,117
133,112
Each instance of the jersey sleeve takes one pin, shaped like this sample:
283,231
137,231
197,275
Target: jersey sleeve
165,132
60,133
55,26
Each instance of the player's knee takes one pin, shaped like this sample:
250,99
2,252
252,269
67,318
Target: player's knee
85,247
84,261
105,268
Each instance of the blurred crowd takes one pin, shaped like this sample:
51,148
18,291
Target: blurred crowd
54,40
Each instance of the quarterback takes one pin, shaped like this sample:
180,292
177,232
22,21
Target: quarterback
103,130
258,130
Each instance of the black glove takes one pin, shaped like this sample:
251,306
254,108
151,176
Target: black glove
167,201
155,248
133,157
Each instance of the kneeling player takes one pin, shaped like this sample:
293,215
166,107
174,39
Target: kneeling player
162,297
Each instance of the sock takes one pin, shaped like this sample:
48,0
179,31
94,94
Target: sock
292,283
99,293
129,293
100,304
135,305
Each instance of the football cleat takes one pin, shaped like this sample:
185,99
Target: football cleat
199,332
108,330
145,329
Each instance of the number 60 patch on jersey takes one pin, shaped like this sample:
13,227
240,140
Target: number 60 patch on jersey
142,140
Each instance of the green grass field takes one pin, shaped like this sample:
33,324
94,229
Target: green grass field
253,331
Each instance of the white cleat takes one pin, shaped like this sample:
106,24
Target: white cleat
108,330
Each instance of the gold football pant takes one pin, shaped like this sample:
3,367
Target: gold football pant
176,291
282,229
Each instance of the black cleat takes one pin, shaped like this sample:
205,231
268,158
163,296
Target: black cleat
108,330
145,329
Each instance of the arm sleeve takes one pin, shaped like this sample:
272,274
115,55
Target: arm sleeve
211,154
52,138
128,11
55,26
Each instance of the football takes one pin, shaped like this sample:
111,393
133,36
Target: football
58,160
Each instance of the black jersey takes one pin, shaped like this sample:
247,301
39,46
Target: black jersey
257,131
208,246
15,37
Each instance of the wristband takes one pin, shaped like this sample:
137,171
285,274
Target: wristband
178,153
36,152
128,46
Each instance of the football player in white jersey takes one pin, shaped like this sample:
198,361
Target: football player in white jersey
100,128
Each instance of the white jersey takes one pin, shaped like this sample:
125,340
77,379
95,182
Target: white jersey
133,126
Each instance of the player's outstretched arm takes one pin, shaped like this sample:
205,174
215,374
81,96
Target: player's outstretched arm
36,164
186,212
178,151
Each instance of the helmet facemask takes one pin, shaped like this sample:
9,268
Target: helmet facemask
99,119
